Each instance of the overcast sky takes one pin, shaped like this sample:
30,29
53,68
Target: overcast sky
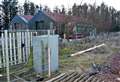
69,3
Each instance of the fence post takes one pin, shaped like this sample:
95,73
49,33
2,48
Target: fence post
26,46
14,48
28,35
7,57
10,44
23,46
0,55
3,49
49,63
49,56
19,54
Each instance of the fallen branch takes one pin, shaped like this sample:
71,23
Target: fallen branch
92,48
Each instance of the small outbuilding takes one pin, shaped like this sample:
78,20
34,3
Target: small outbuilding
41,21
20,22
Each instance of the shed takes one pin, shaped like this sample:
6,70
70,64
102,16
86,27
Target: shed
41,21
20,22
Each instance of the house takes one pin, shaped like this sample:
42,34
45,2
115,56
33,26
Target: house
20,22
62,24
41,21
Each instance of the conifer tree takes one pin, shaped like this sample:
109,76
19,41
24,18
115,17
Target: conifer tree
26,7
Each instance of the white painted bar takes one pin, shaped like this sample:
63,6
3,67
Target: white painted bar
26,46
23,48
49,62
19,47
7,57
0,55
30,38
3,49
92,48
14,48
28,41
10,44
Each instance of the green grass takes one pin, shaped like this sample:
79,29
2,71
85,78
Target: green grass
30,59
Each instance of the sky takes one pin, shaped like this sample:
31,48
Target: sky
69,3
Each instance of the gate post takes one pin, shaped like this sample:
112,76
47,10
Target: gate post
7,57
49,56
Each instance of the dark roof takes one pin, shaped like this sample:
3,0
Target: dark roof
27,17
60,18
22,19
56,17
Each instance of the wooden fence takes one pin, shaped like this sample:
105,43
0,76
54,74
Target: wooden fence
18,46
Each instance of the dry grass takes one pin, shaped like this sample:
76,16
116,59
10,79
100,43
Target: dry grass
84,61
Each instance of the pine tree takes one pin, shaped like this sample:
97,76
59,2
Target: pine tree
13,8
74,9
41,7
26,7
46,9
5,7
56,10
63,10
0,17
32,8
69,12
10,10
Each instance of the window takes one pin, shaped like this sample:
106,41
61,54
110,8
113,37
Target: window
16,26
39,25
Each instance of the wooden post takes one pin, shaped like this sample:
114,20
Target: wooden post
10,44
23,46
26,46
49,63
7,57
0,56
19,47
14,48
3,49
49,56
28,34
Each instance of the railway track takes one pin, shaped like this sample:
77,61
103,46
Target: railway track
75,77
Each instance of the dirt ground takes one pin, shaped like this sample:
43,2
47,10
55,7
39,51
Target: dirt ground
83,62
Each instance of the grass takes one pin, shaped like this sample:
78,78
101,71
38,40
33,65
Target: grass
82,61
30,59
21,69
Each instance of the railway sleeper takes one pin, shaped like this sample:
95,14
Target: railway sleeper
75,77
85,78
63,77
69,77
82,76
